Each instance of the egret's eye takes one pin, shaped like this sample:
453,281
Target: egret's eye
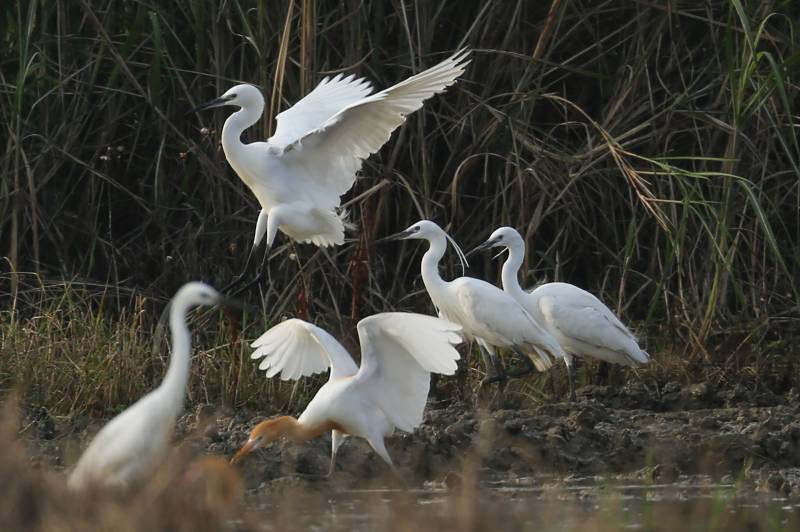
415,229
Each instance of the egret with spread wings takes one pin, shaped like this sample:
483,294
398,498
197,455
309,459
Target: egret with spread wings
399,351
486,313
299,174
579,321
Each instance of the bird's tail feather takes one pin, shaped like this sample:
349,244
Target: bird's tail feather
639,357
344,216
331,228
541,360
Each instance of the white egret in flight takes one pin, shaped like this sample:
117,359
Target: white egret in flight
486,313
580,322
299,174
131,446
399,351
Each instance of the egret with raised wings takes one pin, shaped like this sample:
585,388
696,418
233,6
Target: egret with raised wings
399,351
579,321
486,313
299,174
131,446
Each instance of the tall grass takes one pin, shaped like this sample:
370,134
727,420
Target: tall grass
647,152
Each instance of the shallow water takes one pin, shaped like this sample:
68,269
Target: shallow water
532,504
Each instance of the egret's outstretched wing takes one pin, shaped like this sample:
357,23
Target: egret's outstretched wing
399,351
323,162
317,107
296,348
583,318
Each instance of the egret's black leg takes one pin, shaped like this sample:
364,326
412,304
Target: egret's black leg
602,373
242,275
434,393
262,272
527,364
264,268
491,361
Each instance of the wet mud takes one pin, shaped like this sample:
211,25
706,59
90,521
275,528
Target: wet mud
632,433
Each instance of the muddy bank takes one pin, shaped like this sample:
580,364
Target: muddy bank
731,434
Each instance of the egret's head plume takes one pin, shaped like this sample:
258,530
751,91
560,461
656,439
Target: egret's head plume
428,230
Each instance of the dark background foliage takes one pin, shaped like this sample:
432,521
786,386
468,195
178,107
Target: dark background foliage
647,151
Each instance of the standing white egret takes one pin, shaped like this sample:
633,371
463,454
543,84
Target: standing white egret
399,351
580,322
299,174
133,444
486,313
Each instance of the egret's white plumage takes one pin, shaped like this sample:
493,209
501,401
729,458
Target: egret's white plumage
299,174
399,351
486,313
132,445
578,320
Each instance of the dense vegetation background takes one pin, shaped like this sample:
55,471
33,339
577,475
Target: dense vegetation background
647,150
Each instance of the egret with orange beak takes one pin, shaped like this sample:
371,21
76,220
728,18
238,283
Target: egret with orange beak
399,351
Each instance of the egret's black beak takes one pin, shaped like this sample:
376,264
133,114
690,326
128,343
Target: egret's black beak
486,245
216,102
397,236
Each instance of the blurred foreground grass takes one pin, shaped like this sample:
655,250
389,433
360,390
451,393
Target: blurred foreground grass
196,493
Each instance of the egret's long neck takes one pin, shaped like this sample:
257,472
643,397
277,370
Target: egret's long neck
235,126
174,383
296,430
434,283
511,268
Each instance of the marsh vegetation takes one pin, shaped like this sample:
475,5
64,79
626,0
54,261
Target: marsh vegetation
648,153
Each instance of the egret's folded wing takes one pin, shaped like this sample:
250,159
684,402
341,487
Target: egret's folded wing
481,302
295,348
324,161
317,107
399,351
589,323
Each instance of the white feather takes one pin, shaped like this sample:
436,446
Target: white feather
583,325
299,174
579,321
399,351
485,312
296,348
130,447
